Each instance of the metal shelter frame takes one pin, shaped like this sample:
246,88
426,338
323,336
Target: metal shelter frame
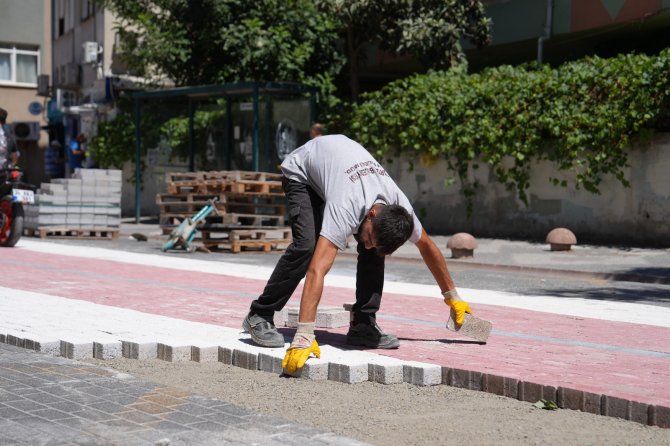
203,93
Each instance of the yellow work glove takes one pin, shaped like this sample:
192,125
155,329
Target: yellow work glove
458,306
303,345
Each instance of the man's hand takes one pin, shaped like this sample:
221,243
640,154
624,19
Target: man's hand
459,307
302,346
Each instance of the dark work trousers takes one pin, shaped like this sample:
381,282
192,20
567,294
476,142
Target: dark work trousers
369,284
305,211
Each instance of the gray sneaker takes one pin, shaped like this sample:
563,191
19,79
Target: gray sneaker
371,336
262,332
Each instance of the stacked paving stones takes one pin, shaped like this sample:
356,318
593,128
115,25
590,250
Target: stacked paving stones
85,206
250,208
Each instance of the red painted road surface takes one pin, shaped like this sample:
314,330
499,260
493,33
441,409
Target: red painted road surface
629,361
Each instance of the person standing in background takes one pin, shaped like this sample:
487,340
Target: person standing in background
9,155
76,153
315,130
54,160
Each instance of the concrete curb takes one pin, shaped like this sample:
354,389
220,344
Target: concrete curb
354,367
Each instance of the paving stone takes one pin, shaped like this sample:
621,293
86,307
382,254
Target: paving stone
314,369
349,373
465,379
389,373
226,355
659,416
639,412
326,317
268,362
73,350
48,347
245,359
614,407
109,350
205,354
533,392
500,385
172,353
134,350
422,374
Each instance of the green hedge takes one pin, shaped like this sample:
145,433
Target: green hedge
580,116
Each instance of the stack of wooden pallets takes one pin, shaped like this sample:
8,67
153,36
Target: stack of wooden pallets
250,208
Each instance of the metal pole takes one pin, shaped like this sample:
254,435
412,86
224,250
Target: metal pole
548,30
137,110
191,136
255,131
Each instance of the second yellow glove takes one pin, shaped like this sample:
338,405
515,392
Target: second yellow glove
458,306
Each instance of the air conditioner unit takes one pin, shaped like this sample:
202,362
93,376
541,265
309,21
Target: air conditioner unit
91,51
68,76
26,130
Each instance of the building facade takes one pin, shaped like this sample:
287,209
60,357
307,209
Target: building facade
25,54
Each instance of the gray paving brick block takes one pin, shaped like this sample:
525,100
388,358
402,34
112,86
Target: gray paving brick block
639,412
348,373
51,348
205,354
659,416
134,350
533,392
591,403
72,350
567,398
574,399
15,341
3,338
326,317
615,407
226,355
109,350
421,374
500,385
465,379
386,373
270,363
245,359
280,317
314,369
172,353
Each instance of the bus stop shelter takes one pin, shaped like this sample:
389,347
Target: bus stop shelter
241,126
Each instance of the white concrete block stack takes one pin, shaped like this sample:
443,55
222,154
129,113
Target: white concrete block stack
89,200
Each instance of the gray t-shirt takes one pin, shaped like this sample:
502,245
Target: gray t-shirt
349,180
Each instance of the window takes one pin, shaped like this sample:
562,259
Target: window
19,65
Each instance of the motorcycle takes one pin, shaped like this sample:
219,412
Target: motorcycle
14,193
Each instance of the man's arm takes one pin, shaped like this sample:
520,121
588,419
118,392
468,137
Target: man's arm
434,260
324,256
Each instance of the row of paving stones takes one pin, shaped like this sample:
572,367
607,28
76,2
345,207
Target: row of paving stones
56,401
356,366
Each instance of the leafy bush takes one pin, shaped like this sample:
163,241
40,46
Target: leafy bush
580,116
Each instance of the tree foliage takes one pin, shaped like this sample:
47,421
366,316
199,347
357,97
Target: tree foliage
196,42
429,30
581,117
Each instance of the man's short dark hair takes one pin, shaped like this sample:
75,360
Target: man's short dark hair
392,227
3,115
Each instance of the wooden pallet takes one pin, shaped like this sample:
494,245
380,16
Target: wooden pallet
236,240
190,204
225,175
77,233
